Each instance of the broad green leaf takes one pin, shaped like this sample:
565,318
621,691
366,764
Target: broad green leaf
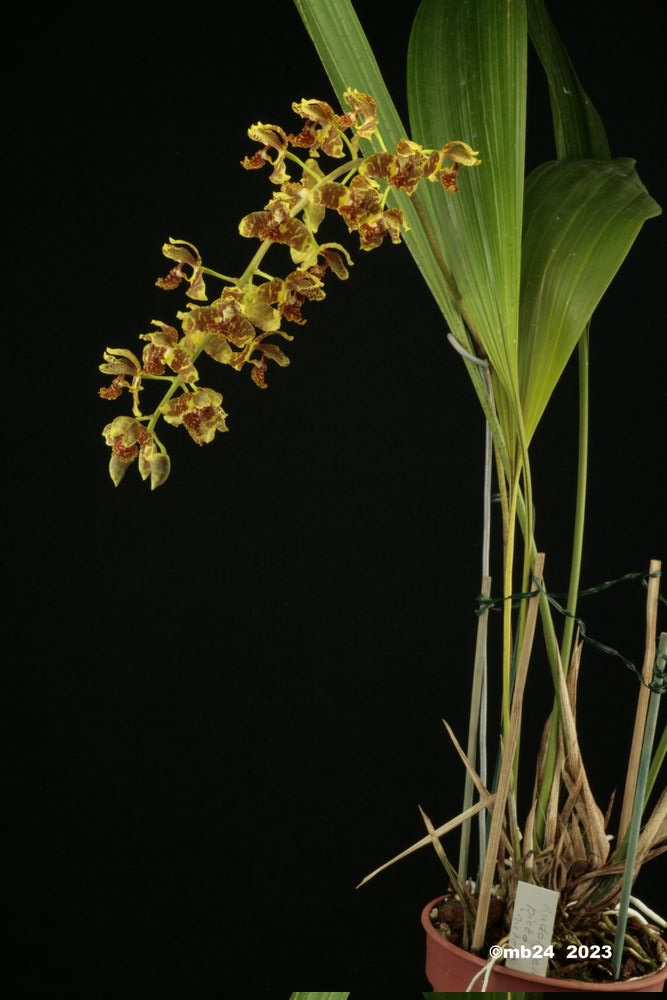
349,62
467,80
581,218
578,130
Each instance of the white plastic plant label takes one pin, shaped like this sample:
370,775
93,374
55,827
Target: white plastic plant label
530,944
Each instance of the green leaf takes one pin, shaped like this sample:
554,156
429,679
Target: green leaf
578,130
349,61
581,218
467,80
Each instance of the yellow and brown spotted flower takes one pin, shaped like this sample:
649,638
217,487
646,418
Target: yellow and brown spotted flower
257,307
323,129
365,108
405,168
119,362
274,140
187,257
298,192
460,154
448,178
276,223
373,231
114,389
128,440
302,285
199,412
218,326
360,205
165,349
332,255
260,352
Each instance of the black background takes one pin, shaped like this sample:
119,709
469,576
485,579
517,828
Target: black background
225,697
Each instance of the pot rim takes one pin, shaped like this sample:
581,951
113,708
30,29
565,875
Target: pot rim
582,986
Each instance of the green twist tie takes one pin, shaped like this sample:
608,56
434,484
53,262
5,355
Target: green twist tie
659,682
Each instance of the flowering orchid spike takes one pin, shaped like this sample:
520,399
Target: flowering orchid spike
241,325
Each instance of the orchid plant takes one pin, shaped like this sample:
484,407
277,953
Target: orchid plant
517,266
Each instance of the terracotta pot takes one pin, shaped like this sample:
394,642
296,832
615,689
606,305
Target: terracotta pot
449,969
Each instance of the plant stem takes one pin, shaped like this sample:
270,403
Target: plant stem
656,764
477,721
652,596
507,608
509,749
580,506
176,384
473,727
486,570
638,807
573,589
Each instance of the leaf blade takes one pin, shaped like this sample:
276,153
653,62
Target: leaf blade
348,60
467,80
582,217
578,129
